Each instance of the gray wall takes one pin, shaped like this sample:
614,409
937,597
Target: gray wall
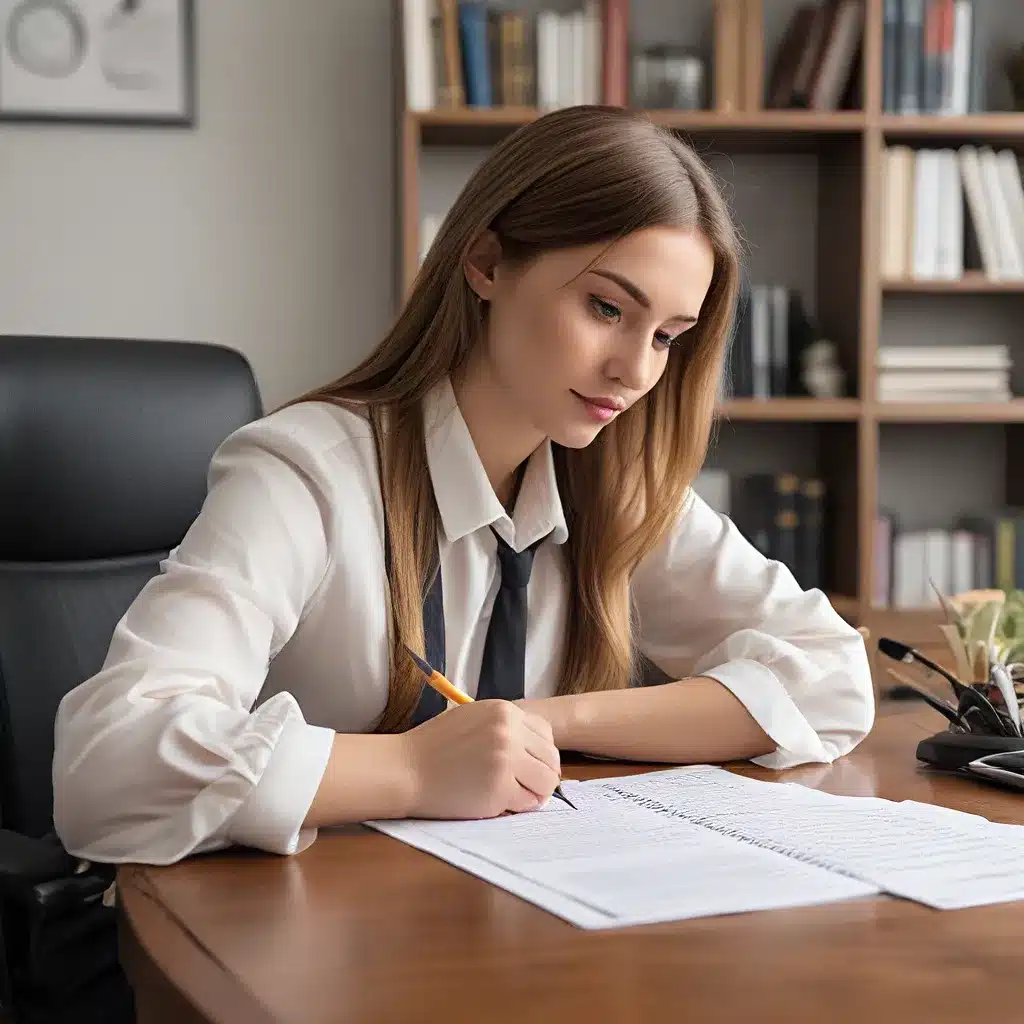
268,227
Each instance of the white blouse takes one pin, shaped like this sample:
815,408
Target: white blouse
211,721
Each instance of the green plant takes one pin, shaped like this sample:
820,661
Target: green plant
987,620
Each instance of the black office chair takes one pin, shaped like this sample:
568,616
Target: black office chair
104,450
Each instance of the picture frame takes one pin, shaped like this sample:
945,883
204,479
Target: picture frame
98,61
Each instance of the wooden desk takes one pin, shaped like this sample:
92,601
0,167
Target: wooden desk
363,928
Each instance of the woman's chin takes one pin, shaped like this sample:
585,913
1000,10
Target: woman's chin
576,435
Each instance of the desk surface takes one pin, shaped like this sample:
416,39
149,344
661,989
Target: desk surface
361,928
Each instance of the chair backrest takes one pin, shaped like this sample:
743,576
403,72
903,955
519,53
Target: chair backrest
104,450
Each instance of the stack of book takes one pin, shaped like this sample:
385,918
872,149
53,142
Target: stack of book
467,53
924,230
943,373
978,553
782,515
928,61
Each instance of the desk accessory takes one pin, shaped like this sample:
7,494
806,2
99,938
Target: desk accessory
1006,768
451,692
986,720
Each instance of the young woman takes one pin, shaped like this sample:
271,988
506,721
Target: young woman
530,425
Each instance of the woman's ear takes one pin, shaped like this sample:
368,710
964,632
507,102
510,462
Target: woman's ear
484,256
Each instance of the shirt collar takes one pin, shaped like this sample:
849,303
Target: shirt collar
465,498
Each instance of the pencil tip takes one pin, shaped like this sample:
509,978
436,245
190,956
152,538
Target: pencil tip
423,666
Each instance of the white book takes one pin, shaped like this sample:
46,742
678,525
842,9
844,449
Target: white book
962,40
951,228
1011,259
1013,193
548,34
961,562
981,212
926,215
938,564
941,357
908,570
987,396
938,380
420,89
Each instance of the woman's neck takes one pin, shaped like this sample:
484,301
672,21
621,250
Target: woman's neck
503,440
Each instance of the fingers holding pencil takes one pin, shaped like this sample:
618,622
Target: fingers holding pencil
538,746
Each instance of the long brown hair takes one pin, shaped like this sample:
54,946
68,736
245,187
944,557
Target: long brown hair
579,176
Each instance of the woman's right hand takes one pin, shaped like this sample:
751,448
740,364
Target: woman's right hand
479,760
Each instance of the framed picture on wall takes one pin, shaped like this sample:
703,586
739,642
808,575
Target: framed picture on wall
109,61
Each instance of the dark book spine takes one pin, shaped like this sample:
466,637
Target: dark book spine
752,504
494,58
780,342
475,56
741,370
931,70
810,534
911,56
891,57
787,520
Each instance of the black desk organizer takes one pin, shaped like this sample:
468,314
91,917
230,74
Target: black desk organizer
954,750
977,726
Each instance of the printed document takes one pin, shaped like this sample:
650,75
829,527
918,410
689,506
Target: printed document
701,841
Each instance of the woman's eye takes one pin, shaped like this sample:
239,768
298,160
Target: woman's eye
605,310
664,338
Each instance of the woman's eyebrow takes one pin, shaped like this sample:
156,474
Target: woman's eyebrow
638,294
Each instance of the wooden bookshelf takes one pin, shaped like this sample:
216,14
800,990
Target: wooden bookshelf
951,412
977,128
791,410
972,283
848,145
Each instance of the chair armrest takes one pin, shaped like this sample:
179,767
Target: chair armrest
42,874
25,861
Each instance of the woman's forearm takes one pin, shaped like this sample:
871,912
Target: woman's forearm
367,777
686,722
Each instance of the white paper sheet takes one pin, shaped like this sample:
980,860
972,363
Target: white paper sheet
610,863
701,841
936,856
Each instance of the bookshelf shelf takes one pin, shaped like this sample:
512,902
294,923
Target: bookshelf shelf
972,283
996,127
791,410
831,252
950,412
472,126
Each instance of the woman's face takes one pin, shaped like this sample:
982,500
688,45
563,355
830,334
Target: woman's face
571,348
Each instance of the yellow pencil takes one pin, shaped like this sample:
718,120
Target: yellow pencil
451,692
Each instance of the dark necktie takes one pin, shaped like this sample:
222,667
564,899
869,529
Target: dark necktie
503,668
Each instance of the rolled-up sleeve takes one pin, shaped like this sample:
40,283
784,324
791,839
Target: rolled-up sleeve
161,754
710,604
